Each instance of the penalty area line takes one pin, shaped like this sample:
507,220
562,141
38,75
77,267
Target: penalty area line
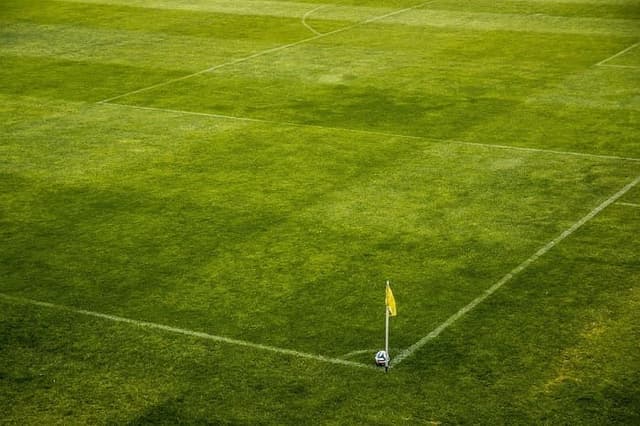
518,269
627,67
185,332
375,133
266,52
620,53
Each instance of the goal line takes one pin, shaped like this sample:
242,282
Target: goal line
185,332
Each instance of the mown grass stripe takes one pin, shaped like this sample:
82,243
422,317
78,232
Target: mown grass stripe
252,7
191,333
518,269
467,18
527,23
118,46
375,133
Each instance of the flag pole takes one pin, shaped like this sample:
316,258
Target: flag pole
386,334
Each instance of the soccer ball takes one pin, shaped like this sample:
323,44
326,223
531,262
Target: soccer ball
382,359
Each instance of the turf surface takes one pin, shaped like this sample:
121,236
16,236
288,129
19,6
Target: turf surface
256,170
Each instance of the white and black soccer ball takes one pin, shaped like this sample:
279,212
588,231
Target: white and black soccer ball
382,358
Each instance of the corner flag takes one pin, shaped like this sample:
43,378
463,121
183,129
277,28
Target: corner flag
390,302
390,311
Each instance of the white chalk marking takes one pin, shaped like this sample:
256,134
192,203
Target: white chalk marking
541,150
306,15
198,334
265,52
213,68
375,133
628,204
629,67
622,52
524,265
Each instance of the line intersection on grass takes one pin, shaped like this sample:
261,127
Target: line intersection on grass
266,52
514,272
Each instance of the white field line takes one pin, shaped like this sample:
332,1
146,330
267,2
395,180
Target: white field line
213,68
375,133
629,204
267,51
524,265
198,334
629,67
306,15
622,52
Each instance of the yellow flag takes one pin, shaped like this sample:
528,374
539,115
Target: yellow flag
390,302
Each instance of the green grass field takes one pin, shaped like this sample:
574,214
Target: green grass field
201,201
